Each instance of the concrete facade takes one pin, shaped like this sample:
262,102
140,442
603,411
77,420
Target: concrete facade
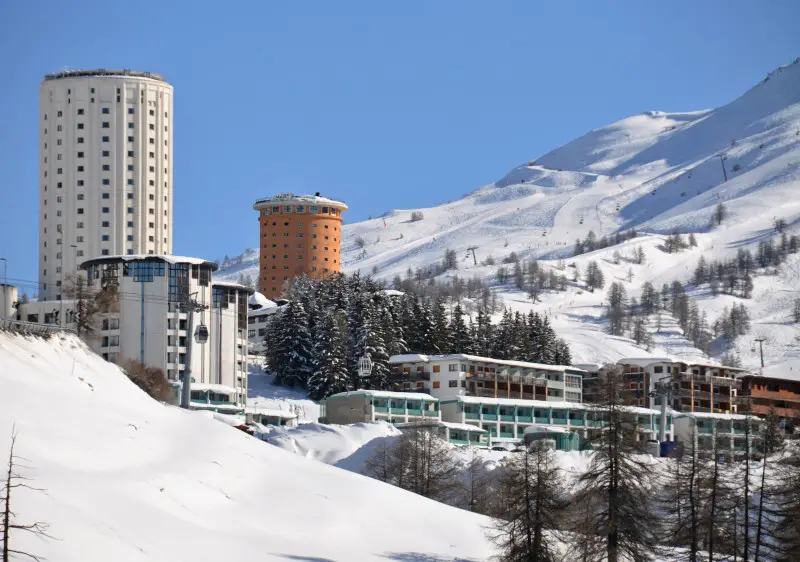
105,180
299,235
469,375
228,336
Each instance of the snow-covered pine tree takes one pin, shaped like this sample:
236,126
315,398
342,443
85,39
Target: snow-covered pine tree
372,345
330,370
441,340
460,340
500,347
293,346
483,333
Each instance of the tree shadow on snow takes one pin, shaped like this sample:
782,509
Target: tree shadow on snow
422,557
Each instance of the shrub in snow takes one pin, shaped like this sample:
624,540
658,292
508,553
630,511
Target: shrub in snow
150,379
417,216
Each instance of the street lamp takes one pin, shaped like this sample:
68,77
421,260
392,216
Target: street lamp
5,285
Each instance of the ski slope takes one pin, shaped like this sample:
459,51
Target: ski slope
128,479
654,172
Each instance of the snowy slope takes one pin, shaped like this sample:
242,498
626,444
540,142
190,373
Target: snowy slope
654,172
129,479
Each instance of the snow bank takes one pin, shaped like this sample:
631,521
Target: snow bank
129,479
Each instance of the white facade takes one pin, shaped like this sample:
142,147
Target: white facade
359,406
461,375
257,319
228,336
105,181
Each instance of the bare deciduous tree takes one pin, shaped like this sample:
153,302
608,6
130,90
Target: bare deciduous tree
14,481
527,530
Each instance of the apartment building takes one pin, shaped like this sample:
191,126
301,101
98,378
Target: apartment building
469,375
508,419
105,180
696,387
228,336
359,406
761,393
299,235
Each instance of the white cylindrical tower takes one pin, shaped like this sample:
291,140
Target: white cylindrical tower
105,170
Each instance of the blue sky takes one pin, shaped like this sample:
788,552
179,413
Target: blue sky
382,104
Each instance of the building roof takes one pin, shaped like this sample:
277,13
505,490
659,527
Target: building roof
385,394
420,358
438,423
392,292
711,415
168,258
271,412
540,404
546,429
231,285
101,73
259,300
212,387
643,361
280,198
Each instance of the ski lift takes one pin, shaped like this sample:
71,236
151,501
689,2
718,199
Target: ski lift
364,366
581,220
201,334
617,206
544,233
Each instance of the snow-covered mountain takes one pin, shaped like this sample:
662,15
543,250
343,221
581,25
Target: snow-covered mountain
654,172
126,478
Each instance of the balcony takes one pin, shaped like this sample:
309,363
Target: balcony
577,421
594,423
525,419
414,412
507,418
507,434
542,420
381,409
472,416
398,411
559,421
490,417
431,413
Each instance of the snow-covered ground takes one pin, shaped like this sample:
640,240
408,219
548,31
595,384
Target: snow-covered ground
129,479
263,395
654,172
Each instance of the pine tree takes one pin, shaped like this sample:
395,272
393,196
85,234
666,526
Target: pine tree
594,277
372,345
441,341
461,342
681,502
330,370
483,334
617,303
293,346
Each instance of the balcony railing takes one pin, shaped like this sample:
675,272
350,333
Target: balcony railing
492,417
507,418
576,422
559,421
472,415
414,412
506,434
400,411
381,409
542,420
431,413
525,419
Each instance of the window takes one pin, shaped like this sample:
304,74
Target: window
80,197
80,168
130,224
80,211
130,167
106,124
436,368
106,209
130,181
130,139
104,252
80,225
152,141
130,125
105,110
436,384
130,195
105,139
130,111
452,368
106,196
130,210
80,126
130,154
152,127
453,384
152,112
79,239
106,181
105,237
152,197
130,237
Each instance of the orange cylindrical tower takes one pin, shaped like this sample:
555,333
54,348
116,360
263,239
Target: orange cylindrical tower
298,235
